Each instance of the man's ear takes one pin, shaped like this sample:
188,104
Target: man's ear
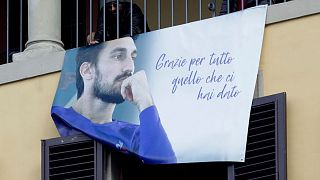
86,71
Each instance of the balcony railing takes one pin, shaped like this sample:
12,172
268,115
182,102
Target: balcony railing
79,18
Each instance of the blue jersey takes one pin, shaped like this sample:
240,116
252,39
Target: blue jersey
148,140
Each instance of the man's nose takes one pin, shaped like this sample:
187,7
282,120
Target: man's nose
128,65
113,7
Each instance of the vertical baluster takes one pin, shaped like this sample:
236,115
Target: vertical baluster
104,20
159,14
77,23
131,33
145,15
90,20
172,12
186,11
200,9
7,31
21,25
118,33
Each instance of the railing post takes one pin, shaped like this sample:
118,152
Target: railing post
44,28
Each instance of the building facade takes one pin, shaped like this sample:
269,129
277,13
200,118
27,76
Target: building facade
289,63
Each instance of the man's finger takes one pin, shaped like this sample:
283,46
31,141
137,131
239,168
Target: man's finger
126,84
123,89
129,94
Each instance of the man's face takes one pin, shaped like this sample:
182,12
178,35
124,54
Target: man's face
115,63
112,7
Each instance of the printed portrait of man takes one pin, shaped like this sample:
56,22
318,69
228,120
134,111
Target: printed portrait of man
105,77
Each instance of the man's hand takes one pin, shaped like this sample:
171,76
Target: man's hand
93,41
135,88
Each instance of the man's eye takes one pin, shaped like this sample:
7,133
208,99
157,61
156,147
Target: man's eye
118,56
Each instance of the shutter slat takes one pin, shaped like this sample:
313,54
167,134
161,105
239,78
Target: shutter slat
70,172
264,133
71,158
75,150
259,127
83,177
263,119
254,164
250,172
262,177
256,142
263,112
76,164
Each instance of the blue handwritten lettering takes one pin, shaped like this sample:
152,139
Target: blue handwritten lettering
196,62
214,78
207,96
230,77
193,78
175,63
224,58
234,92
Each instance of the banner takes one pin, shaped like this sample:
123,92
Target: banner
176,95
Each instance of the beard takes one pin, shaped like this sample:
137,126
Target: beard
106,92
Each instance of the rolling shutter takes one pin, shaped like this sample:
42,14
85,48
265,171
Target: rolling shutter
266,144
76,157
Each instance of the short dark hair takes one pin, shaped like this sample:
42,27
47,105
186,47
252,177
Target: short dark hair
88,54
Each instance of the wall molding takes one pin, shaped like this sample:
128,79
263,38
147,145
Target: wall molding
291,10
49,63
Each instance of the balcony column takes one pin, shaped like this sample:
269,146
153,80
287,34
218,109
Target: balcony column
44,29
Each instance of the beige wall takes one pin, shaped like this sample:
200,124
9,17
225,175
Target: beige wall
290,63
290,59
25,120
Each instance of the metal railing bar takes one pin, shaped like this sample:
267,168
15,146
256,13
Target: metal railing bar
77,23
7,31
186,11
242,5
159,14
172,12
228,3
104,20
90,21
131,33
200,9
145,15
21,25
256,2
118,29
